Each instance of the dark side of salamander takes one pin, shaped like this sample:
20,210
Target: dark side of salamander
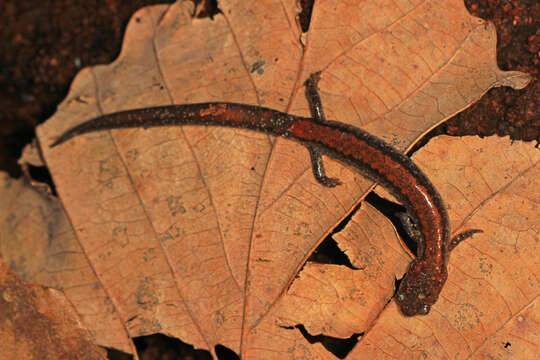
375,159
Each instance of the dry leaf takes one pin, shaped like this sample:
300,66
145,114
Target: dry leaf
38,243
198,232
40,323
489,306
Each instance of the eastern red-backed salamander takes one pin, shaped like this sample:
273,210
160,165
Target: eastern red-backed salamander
375,159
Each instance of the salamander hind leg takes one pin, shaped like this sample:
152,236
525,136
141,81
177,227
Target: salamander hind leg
317,166
317,113
462,236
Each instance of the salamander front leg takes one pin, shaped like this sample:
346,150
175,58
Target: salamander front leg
412,231
313,98
317,165
316,109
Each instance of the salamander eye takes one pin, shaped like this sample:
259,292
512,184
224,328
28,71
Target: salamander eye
424,309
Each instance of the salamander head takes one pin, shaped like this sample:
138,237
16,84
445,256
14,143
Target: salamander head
420,288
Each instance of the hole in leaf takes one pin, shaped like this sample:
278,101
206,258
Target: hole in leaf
304,16
159,346
328,252
42,174
337,346
206,9
113,354
224,353
397,282
286,327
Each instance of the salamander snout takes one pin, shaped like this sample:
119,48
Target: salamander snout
420,288
411,305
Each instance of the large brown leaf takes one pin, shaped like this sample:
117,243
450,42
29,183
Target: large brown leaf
199,232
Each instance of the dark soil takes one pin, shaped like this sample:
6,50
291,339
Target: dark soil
504,111
43,44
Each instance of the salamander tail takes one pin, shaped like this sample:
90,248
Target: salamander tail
462,236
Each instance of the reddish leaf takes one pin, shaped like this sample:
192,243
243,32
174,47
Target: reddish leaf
40,323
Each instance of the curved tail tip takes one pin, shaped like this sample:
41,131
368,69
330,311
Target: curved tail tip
462,236
55,143
62,138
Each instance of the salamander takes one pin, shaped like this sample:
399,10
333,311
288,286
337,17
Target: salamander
429,226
